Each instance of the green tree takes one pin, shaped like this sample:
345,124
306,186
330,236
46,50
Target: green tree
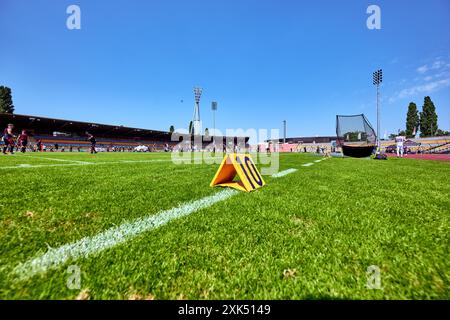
428,118
171,129
412,120
441,133
6,103
191,128
392,136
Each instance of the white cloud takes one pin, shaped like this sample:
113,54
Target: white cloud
422,69
426,88
441,74
437,77
394,61
437,64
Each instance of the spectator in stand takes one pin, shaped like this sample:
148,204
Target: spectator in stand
8,139
23,141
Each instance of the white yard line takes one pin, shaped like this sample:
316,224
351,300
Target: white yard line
81,163
57,159
288,171
87,246
150,160
307,164
283,173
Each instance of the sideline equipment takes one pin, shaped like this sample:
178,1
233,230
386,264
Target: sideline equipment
355,135
242,166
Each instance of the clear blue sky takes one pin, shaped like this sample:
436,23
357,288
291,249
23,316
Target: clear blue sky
133,62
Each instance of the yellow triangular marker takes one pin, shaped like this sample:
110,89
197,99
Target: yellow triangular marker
240,165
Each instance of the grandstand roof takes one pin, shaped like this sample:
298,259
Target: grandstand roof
43,125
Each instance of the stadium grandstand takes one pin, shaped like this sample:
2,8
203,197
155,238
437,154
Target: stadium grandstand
425,145
317,144
72,135
318,139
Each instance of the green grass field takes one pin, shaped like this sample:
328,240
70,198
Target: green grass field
311,234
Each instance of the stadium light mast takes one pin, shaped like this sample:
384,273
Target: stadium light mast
377,80
196,118
284,131
214,109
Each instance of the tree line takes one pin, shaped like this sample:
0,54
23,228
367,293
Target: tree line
424,121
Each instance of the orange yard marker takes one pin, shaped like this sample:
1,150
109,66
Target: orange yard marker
241,166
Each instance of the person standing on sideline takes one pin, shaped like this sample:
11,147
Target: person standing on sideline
93,142
399,140
8,139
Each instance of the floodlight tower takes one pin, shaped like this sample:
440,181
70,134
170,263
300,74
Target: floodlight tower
196,118
214,109
284,131
377,80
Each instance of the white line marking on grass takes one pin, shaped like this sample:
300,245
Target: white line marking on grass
31,166
152,160
318,160
83,163
307,164
62,160
283,173
87,246
65,160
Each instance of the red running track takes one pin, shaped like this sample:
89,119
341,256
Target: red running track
436,157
